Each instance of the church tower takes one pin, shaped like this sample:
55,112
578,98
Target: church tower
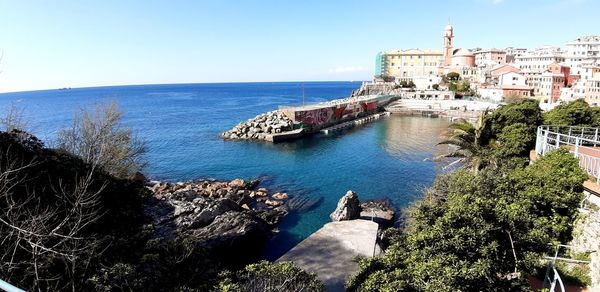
448,44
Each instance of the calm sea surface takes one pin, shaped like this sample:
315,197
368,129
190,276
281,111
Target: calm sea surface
390,158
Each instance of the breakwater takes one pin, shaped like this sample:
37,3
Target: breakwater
293,122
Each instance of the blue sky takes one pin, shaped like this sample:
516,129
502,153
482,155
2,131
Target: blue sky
52,44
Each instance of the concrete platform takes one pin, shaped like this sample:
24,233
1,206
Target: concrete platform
330,252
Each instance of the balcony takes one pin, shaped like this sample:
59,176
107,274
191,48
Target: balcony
582,142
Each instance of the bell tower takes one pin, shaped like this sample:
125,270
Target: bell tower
448,44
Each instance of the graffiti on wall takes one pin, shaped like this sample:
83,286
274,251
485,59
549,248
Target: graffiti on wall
369,106
315,117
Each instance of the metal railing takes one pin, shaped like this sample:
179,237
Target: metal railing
5,286
583,142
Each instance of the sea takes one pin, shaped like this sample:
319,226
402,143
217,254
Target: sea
391,158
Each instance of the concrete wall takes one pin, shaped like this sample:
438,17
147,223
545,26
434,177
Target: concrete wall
318,116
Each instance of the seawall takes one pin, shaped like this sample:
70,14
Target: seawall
294,122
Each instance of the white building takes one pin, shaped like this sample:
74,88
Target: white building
511,79
494,94
581,52
539,59
489,57
426,82
513,53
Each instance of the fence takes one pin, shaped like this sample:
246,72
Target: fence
583,142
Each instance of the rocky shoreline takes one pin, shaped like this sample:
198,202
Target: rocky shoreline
260,127
222,216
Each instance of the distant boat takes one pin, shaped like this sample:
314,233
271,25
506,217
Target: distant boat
64,88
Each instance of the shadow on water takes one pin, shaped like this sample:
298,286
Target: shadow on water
316,140
283,240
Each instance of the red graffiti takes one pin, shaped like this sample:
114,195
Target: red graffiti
315,117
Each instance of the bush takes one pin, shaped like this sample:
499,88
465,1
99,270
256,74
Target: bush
99,139
266,276
59,216
576,113
482,231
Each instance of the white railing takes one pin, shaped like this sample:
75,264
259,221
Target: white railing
583,142
5,286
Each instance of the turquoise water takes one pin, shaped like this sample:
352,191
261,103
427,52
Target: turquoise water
390,158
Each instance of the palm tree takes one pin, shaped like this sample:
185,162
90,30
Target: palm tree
470,143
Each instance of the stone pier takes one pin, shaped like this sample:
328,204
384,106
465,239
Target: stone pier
331,251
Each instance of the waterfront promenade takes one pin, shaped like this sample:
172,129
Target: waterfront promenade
453,109
331,252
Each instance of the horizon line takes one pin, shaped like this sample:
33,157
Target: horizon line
176,83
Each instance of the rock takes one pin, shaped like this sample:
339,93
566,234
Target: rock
237,183
273,203
273,216
381,212
269,123
348,208
233,235
280,196
252,184
220,217
262,190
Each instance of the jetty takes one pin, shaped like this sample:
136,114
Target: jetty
294,122
331,252
354,123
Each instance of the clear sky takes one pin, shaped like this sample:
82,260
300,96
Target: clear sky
52,44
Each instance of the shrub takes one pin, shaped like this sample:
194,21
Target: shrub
266,276
99,139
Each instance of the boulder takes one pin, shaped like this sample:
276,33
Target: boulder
237,183
381,212
348,208
273,203
280,196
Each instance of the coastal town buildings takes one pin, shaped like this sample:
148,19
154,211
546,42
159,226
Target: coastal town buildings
513,53
413,64
539,59
581,52
406,64
489,57
550,74
592,88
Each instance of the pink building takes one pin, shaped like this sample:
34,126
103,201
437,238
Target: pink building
496,72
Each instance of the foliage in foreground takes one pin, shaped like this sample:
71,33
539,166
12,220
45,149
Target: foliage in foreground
73,221
98,138
575,113
504,136
266,276
479,232
60,217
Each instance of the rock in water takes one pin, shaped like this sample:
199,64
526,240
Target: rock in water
380,211
348,208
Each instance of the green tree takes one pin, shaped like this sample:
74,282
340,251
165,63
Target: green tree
575,113
552,189
463,86
526,111
453,76
470,143
483,231
515,140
